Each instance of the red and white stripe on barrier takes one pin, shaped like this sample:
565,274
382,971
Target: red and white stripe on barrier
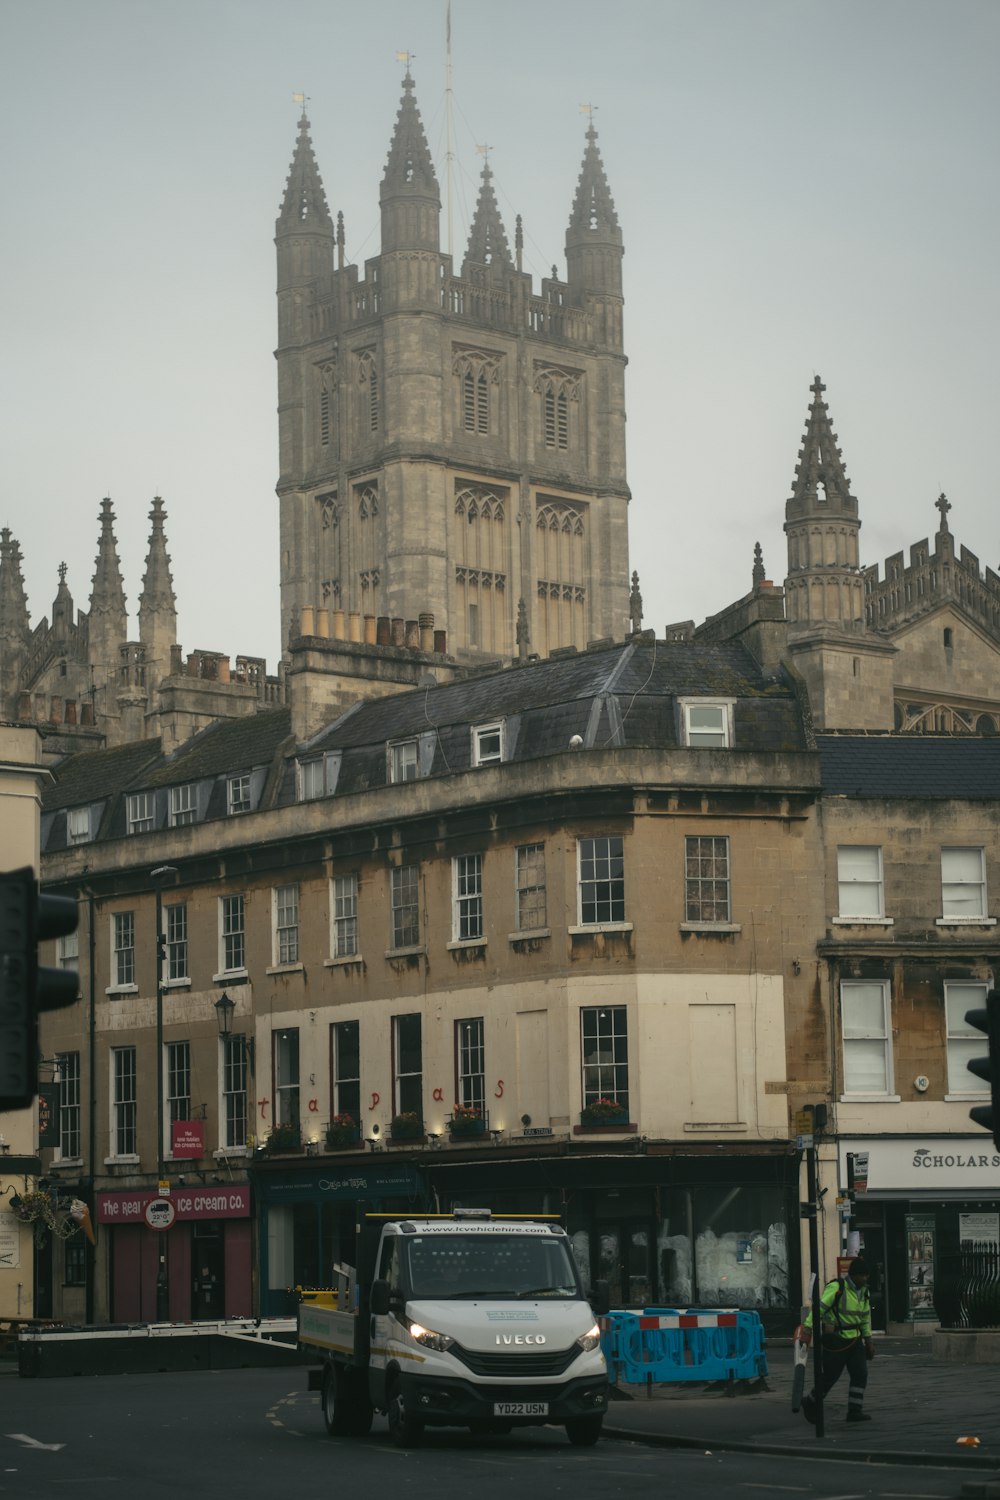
678,1320
690,1320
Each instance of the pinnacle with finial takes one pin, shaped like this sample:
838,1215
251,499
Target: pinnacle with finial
635,604
107,590
943,504
758,565
304,203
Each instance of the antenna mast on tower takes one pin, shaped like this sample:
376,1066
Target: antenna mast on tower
450,120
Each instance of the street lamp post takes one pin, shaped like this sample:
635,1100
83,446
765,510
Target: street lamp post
160,874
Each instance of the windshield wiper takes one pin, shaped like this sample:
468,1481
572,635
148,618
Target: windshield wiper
547,1291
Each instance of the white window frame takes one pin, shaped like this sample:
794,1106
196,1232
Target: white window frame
961,1040
855,857
863,1034
68,951
123,1105
175,940
78,825
958,884
238,795
346,1085
489,743
609,883
411,1081
397,905
285,951
287,1076
720,738
470,1062
183,805
344,917
312,779
70,1112
177,1092
228,930
403,761
695,884
122,971
235,1075
529,864
604,1076
467,921
141,812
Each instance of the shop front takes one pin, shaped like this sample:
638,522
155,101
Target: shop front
308,1216
199,1240
921,1204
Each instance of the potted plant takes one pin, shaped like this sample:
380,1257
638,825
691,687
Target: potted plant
604,1111
407,1126
343,1130
467,1119
285,1137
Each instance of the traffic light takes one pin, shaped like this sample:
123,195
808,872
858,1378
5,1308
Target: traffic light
987,1020
25,989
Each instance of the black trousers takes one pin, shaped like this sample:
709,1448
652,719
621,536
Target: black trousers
838,1357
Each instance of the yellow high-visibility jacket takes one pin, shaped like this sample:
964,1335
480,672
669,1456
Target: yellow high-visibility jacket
846,1311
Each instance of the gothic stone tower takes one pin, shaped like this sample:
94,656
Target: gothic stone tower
450,443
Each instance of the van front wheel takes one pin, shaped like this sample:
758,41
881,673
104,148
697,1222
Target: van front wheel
405,1430
583,1432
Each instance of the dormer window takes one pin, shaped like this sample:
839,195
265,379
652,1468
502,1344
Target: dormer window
183,805
318,777
707,723
141,808
403,761
78,825
238,794
488,743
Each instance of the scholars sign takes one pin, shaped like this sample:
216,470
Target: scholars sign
928,1163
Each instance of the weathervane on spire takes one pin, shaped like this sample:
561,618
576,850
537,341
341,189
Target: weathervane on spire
590,111
301,100
407,58
484,151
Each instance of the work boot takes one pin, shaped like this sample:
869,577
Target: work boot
809,1409
855,1414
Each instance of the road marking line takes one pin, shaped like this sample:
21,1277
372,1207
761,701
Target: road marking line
30,1442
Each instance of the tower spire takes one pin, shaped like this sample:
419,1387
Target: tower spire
594,238
824,588
157,603
410,199
15,628
304,204
107,594
487,237
819,474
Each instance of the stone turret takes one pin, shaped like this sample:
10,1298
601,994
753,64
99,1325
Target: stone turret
108,619
157,604
15,627
594,239
488,244
409,196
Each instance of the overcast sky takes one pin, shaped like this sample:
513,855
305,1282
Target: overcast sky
804,186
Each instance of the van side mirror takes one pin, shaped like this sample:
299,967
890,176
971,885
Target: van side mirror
600,1298
379,1299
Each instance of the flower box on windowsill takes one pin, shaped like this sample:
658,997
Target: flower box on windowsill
603,1114
342,1137
406,1127
283,1139
463,1127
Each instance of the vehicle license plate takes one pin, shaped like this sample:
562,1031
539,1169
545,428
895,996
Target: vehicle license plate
520,1408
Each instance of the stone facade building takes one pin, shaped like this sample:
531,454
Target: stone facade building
487,848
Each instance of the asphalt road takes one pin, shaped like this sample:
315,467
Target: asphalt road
259,1433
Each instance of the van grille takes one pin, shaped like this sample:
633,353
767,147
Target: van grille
510,1364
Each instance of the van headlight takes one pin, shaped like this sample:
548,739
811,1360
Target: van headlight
431,1340
590,1339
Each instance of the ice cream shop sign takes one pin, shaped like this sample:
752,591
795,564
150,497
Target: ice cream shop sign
228,1202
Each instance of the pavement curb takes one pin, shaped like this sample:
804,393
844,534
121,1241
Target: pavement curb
839,1455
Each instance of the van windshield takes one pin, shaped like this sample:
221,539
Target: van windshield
490,1265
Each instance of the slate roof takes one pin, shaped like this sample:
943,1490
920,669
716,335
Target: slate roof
909,766
230,745
554,700
91,775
